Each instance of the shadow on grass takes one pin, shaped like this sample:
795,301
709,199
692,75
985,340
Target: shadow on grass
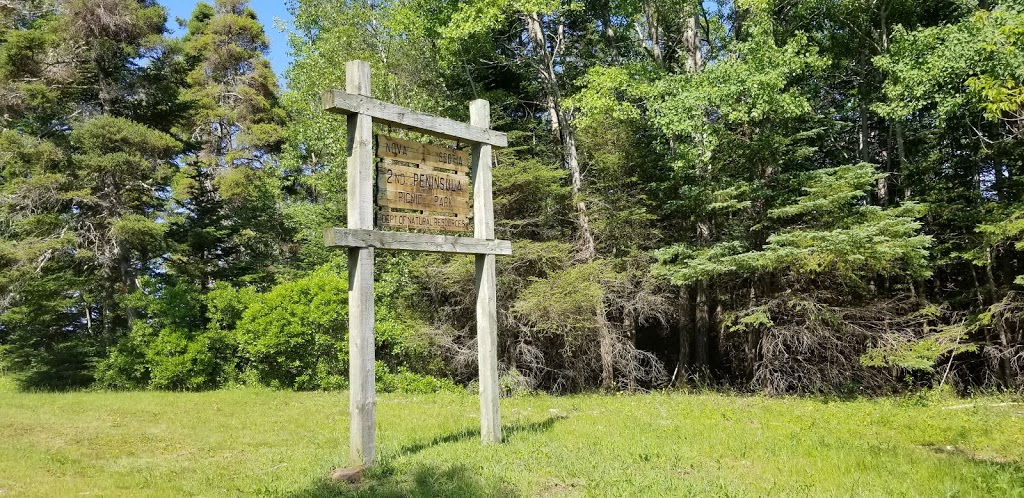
509,432
994,460
422,481
427,480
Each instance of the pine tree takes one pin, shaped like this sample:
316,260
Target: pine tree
83,194
230,227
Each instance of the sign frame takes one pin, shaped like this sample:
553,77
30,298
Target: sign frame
361,240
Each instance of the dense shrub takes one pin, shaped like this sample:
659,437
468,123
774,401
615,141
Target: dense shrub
170,346
404,381
294,336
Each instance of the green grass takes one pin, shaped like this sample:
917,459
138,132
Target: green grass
261,442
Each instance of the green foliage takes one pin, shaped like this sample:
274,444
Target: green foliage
757,177
294,336
566,302
924,352
958,68
404,381
169,346
225,305
832,234
291,336
921,355
229,225
81,179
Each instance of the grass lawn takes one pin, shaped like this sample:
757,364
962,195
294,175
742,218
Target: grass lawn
272,443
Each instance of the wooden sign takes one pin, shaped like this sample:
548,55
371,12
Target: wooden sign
423,221
424,202
395,176
402,150
443,158
431,156
422,187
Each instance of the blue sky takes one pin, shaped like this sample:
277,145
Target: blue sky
267,10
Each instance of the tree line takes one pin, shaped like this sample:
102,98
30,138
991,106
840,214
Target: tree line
821,196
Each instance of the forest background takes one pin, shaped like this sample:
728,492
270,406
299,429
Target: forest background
818,196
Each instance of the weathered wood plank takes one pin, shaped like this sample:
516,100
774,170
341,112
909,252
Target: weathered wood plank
428,221
408,179
345,102
382,184
344,237
400,149
443,157
453,167
431,156
361,371
486,283
424,202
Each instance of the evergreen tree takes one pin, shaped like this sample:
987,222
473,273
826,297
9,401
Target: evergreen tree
782,196
229,227
86,180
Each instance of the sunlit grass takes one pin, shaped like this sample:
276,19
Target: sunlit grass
261,442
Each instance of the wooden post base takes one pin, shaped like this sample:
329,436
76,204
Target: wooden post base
349,475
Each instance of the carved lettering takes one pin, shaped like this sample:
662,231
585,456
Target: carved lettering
423,222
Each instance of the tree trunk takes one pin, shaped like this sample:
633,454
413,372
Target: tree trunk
691,44
127,278
1004,361
977,287
753,335
653,34
561,123
545,63
629,328
863,135
990,281
703,311
717,311
607,347
702,329
901,152
882,185
586,245
686,335
607,30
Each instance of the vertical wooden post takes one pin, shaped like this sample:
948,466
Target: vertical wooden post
486,294
362,389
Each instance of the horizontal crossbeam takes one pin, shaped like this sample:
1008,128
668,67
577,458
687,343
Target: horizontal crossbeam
351,237
342,102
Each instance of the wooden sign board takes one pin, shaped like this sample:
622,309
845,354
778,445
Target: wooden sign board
396,176
431,198
422,187
423,202
440,157
427,155
396,148
423,221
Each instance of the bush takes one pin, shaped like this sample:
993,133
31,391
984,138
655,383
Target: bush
404,381
181,360
169,346
126,366
294,336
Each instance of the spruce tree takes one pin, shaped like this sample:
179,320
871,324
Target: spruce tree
229,227
83,191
